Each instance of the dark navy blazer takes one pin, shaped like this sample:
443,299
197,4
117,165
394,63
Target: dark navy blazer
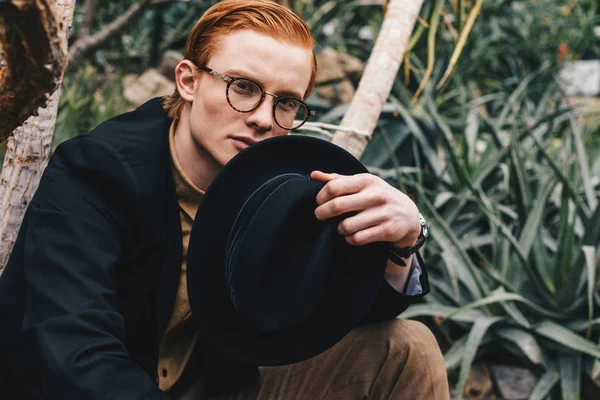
91,282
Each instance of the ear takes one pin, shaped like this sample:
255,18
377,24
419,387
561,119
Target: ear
185,79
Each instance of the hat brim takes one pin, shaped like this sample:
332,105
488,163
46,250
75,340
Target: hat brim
346,299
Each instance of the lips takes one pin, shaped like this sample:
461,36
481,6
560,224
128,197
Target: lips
242,142
248,140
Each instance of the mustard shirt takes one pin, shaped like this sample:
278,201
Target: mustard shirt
181,334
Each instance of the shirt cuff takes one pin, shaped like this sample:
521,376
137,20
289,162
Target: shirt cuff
413,286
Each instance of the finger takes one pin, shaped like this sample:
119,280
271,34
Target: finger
362,221
369,235
342,186
344,204
324,177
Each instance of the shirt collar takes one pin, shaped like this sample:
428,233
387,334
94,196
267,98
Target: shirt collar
189,195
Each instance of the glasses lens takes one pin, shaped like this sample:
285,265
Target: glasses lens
290,112
243,94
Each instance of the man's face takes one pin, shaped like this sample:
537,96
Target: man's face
217,130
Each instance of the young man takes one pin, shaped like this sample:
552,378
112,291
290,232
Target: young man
94,299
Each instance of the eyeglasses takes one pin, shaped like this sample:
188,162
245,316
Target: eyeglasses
245,95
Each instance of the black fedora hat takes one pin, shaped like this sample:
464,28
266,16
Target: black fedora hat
268,283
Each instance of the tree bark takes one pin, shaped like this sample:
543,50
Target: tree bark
31,59
379,75
29,147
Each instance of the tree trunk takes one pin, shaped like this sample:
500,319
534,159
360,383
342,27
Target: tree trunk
28,148
379,75
31,61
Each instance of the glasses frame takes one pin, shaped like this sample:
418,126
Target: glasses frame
276,99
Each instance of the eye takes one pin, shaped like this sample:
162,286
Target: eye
244,86
288,104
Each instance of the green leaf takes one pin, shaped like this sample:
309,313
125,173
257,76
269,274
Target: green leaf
446,238
524,192
454,354
433,27
583,163
471,131
524,340
566,237
582,209
533,224
475,337
595,370
544,385
417,132
438,310
591,366
581,325
446,136
496,297
516,94
564,336
569,366
462,40
590,258
378,151
577,276
531,234
453,267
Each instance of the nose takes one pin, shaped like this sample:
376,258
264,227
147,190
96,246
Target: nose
262,117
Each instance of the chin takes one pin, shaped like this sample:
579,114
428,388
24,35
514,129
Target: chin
225,158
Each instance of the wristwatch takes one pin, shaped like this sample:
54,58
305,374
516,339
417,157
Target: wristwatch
397,254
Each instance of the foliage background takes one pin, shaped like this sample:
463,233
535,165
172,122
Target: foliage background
504,167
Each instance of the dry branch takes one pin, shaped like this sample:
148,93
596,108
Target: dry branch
87,44
90,10
32,59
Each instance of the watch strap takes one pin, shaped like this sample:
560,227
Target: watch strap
398,254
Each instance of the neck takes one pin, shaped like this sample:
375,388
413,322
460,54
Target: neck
199,166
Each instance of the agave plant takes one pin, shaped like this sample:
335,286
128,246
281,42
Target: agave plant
515,226
498,162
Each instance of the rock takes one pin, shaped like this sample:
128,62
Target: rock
581,78
337,93
353,67
328,66
513,383
479,383
169,61
334,69
588,108
139,89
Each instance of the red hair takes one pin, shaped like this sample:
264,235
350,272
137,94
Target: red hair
262,16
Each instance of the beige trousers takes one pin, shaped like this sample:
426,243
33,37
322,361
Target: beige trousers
395,359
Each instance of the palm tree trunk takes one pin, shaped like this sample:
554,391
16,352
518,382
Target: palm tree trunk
28,148
379,75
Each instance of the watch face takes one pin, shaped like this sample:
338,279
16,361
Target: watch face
424,226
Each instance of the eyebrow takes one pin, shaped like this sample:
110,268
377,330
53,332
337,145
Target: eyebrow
244,74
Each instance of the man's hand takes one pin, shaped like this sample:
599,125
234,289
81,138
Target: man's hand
382,213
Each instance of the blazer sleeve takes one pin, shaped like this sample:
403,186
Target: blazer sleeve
73,236
389,303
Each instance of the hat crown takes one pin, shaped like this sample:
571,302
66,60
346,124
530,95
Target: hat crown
279,254
350,286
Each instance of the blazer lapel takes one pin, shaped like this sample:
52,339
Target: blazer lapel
168,279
